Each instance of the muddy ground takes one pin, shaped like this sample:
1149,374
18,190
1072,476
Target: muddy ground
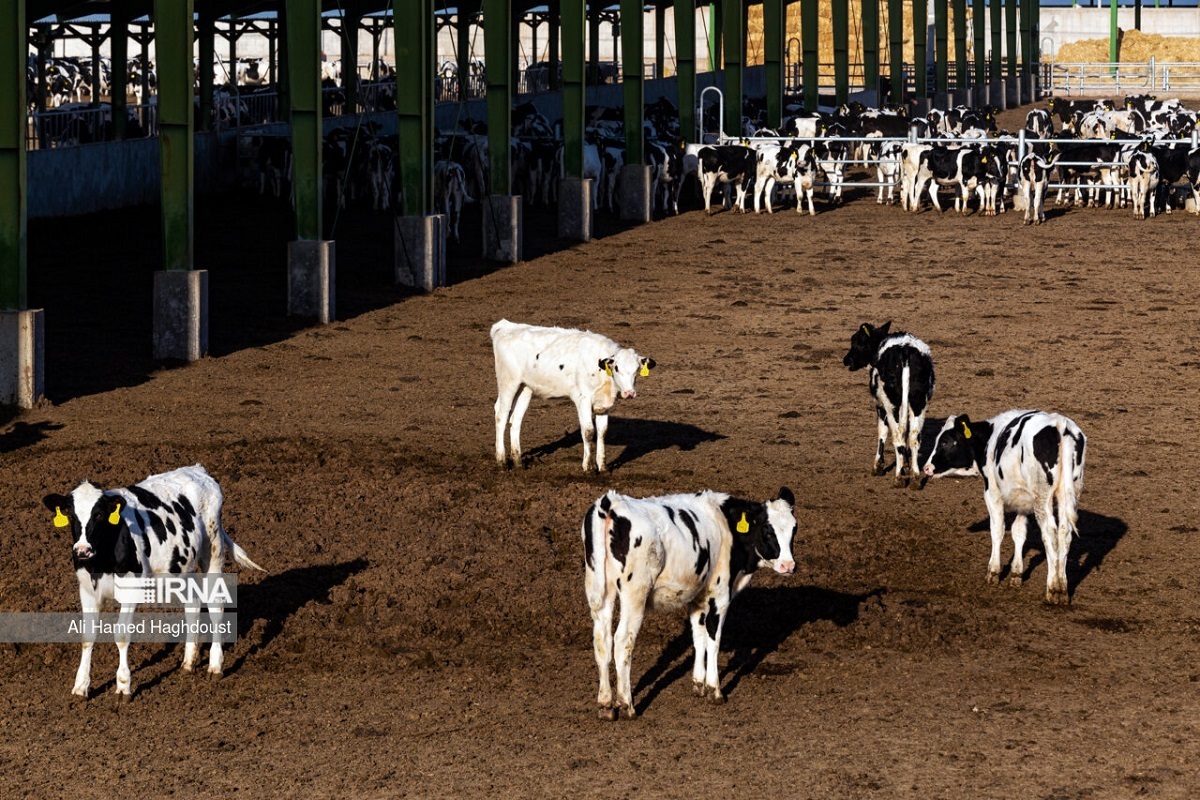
422,629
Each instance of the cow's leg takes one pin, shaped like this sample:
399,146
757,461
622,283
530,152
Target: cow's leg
124,676
601,429
633,610
518,414
899,449
714,622
881,432
699,645
586,429
1016,570
995,507
83,676
191,615
1055,546
602,649
216,610
504,403
915,424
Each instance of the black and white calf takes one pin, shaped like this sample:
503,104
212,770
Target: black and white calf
686,551
1143,182
167,524
590,369
901,381
1031,463
450,192
1034,178
731,165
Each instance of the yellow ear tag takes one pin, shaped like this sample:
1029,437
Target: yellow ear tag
608,370
645,370
966,431
743,526
115,516
61,520
866,331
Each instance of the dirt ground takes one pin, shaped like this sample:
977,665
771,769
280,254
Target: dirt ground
422,629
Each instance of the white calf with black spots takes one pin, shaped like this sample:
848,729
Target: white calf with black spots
901,381
685,551
1031,463
592,370
167,524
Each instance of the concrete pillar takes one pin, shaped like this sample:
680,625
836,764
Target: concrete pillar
311,280
997,94
633,193
421,251
180,314
1029,87
1012,91
575,209
22,357
503,228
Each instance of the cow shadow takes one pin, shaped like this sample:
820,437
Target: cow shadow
637,437
760,620
24,434
1097,536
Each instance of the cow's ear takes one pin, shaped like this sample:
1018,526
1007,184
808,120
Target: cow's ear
607,366
785,494
962,425
110,506
647,364
56,503
884,328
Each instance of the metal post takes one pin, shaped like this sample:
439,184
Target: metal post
119,75
660,41
1010,31
774,31
920,45
304,78
1026,44
961,77
462,30
809,20
870,38
896,48
414,107
207,33
594,41
632,32
574,87
685,63
12,158
978,17
351,16
941,48
996,7
841,49
498,45
735,49
716,37
555,84
1137,14
173,41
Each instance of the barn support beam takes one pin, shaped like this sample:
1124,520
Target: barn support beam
207,32
180,290
633,192
774,42
462,29
921,48
734,51
941,49
896,48
870,39
996,84
420,256
809,20
962,78
555,55
503,220
311,259
685,64
1026,45
351,19
716,36
978,17
594,40
840,11
119,75
22,331
575,191
660,41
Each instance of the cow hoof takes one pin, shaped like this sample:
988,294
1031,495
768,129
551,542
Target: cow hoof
993,578
878,469
699,689
215,674
1057,597
627,712
607,713
1015,580
900,482
920,481
716,698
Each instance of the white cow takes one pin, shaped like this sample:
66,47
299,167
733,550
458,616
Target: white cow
687,551
592,370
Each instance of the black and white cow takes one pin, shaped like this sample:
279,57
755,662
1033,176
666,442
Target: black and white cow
1143,182
778,164
1034,177
167,524
450,192
590,369
1031,463
732,165
958,168
901,381
687,551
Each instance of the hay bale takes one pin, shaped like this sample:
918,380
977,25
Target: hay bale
1132,46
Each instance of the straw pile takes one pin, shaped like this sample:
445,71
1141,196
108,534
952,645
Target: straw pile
1133,46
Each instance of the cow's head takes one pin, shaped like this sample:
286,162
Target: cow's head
864,344
94,522
625,368
959,448
765,531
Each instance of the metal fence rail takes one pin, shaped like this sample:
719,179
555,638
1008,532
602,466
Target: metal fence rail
1147,76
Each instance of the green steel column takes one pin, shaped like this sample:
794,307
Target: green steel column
462,30
1010,30
1114,55
978,17
841,49
896,48
12,157
774,36
996,8
555,57
716,36
941,47
685,64
304,87
351,18
594,41
735,58
574,37
633,31
283,77
497,43
119,74
1026,36
660,41
173,41
870,39
809,32
207,32
921,45
961,80
415,56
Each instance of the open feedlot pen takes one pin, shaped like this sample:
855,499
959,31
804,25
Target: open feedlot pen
422,629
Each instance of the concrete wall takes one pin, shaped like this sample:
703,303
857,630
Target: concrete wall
1063,25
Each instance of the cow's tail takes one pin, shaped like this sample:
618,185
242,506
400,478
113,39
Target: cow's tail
239,555
904,414
1065,495
596,527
